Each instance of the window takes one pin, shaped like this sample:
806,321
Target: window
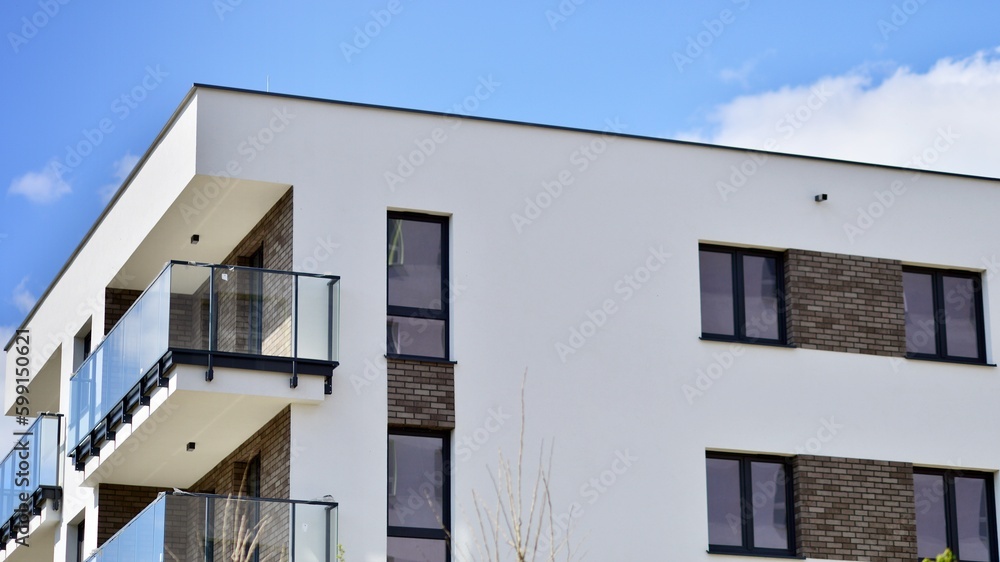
749,505
417,278
742,295
419,481
944,315
955,510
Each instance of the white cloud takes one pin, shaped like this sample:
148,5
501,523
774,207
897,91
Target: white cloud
22,297
43,186
896,121
123,167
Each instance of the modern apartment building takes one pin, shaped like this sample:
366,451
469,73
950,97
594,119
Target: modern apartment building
332,306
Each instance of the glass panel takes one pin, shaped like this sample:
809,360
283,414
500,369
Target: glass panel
127,352
928,495
973,519
275,330
189,307
315,318
724,519
415,336
415,550
414,264
254,312
8,496
918,303
310,534
416,477
717,293
770,505
46,451
760,297
961,324
174,528
139,540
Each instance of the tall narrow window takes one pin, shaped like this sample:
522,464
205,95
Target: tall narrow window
418,497
955,510
749,505
944,315
741,295
417,277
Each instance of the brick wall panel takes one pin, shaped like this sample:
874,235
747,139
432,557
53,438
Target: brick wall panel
421,394
854,509
116,304
838,302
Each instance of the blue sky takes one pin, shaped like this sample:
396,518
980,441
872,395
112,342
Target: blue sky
88,85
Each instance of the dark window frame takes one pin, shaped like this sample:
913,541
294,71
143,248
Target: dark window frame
746,505
739,307
951,507
421,532
442,315
940,330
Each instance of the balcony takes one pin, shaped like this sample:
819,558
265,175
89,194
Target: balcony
204,528
29,483
202,344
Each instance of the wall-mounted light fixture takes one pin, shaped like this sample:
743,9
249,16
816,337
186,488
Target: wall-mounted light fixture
819,199
195,238
190,445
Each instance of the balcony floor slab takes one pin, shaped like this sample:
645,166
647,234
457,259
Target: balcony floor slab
216,416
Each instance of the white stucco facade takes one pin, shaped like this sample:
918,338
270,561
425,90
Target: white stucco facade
574,257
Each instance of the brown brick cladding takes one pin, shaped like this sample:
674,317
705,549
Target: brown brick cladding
272,443
838,302
189,314
116,304
119,504
854,509
273,233
421,394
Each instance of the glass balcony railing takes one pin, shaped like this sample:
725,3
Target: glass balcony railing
204,528
207,312
29,476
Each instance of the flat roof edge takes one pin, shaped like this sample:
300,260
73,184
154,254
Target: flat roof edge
589,131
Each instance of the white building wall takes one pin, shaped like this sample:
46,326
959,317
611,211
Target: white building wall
621,395
612,253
